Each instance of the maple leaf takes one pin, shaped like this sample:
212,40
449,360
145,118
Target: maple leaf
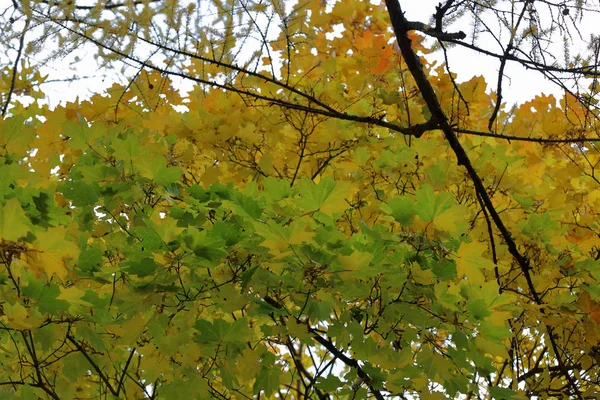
589,306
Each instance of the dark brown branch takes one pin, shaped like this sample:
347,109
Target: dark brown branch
93,364
303,372
41,379
15,68
400,25
416,130
107,6
120,384
524,139
440,13
435,32
349,362
503,60
539,370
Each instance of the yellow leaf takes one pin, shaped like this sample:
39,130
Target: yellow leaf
53,250
356,261
18,317
336,202
470,262
422,277
73,295
13,221
453,220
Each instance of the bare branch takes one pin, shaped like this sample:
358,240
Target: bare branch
15,68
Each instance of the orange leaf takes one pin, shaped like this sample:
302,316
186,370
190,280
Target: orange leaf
364,42
590,306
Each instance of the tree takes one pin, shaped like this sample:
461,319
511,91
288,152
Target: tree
331,216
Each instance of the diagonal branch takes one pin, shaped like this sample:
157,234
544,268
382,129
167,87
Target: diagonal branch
120,384
351,362
401,28
15,68
93,364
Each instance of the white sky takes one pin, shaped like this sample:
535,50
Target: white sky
519,85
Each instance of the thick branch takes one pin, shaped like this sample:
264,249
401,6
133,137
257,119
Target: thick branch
435,32
539,370
400,25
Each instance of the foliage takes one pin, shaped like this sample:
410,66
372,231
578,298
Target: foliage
300,233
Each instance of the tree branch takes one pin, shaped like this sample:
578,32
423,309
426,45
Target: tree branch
400,25
93,364
435,32
107,6
525,139
349,362
15,68
415,130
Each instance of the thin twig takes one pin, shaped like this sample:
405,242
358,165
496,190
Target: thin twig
15,68
524,139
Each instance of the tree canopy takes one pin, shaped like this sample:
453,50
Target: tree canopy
326,214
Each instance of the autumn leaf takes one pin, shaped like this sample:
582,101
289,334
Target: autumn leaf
590,307
13,221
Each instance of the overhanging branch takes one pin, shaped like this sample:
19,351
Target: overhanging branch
401,28
415,130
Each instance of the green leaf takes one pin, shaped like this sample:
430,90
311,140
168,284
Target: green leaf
329,384
90,259
538,225
192,386
221,331
246,206
494,332
45,295
478,308
429,205
203,245
401,208
276,189
501,393
81,193
267,381
327,196
436,175
128,149
145,267
166,176
229,232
